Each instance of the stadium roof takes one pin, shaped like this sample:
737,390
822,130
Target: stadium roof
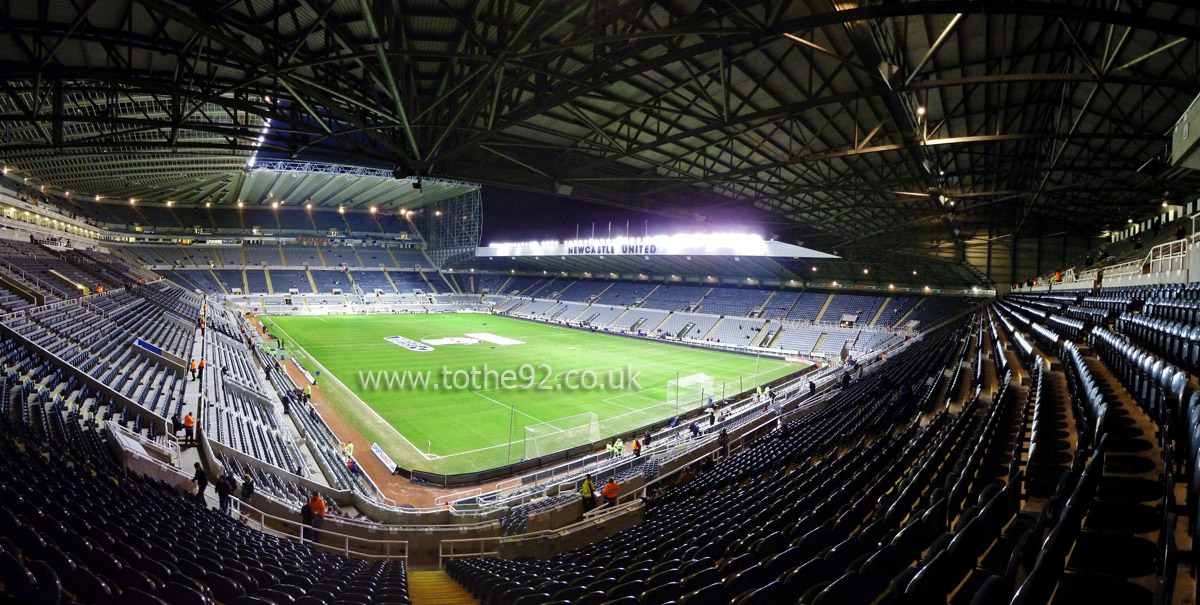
856,123
330,186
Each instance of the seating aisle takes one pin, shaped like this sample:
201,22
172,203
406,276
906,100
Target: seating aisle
436,588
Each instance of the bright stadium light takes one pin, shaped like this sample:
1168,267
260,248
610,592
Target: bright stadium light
341,210
274,205
308,206
132,201
374,210
241,203
866,271
437,213
170,203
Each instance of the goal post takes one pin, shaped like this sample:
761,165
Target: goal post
689,392
546,438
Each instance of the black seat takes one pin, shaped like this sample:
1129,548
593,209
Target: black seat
133,596
181,594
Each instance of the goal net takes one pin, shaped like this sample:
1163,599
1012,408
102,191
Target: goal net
553,436
689,392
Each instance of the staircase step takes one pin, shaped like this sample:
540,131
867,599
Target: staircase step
436,588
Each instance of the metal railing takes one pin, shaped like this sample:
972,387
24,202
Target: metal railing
461,548
318,537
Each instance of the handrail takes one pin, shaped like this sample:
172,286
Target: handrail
481,550
479,546
170,449
249,515
459,495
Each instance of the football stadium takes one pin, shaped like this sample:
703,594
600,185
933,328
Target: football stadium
599,302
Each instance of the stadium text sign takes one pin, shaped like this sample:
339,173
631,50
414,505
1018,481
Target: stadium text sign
610,249
700,244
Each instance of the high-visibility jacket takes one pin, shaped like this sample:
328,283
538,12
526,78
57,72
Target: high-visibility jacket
188,421
588,490
201,364
610,490
637,445
318,505
193,364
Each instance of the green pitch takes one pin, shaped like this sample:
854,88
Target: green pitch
450,425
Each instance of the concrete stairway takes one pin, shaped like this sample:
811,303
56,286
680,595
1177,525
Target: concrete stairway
436,588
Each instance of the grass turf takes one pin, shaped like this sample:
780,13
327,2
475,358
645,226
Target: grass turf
452,430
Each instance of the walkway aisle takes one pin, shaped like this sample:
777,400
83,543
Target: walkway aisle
436,588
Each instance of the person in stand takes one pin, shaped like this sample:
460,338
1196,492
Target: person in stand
845,380
307,393
695,428
652,497
723,441
619,447
610,492
247,488
637,448
200,369
192,368
306,520
201,481
587,493
318,511
224,493
189,429
1181,232
812,388
646,440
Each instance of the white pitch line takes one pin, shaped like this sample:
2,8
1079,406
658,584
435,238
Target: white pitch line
508,407
358,399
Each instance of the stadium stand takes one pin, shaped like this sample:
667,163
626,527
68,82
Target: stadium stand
285,279
327,280
737,331
780,303
696,325
258,254
375,256
299,256
864,307
734,302
807,307
894,310
679,545
582,291
369,281
407,282
409,259
622,293
675,298
336,256
255,280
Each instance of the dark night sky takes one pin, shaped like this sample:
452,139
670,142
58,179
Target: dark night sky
515,215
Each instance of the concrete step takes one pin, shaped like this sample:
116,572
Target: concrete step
436,588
